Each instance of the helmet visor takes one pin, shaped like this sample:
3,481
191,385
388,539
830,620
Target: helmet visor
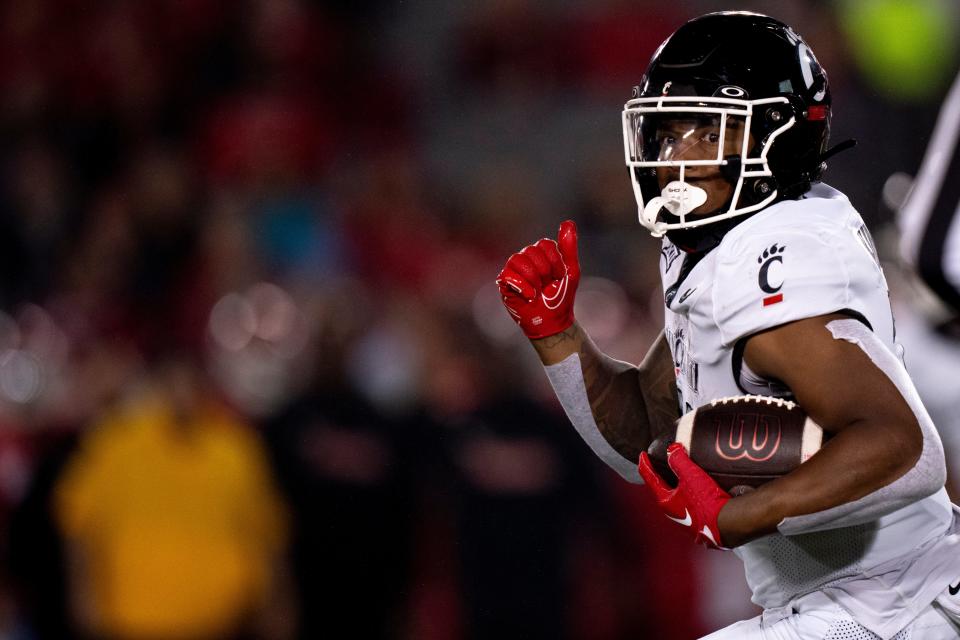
674,139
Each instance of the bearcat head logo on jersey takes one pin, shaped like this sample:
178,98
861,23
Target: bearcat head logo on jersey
732,115
768,277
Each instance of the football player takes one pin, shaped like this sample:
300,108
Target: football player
930,245
931,237
772,287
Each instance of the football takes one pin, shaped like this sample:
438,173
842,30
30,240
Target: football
743,441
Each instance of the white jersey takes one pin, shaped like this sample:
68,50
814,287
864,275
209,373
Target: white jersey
798,259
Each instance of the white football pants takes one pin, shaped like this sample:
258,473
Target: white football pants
817,617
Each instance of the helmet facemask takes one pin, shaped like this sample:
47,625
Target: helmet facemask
698,160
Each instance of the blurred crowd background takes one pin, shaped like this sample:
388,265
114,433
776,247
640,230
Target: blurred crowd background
255,379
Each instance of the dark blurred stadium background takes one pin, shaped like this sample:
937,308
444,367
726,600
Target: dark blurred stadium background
255,381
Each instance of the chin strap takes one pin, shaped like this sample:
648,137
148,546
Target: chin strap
837,148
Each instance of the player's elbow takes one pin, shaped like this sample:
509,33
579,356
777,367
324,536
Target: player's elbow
897,454
936,481
917,458
902,463
906,441
930,468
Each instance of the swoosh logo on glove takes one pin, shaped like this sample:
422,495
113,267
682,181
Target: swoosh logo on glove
709,534
687,520
558,296
954,589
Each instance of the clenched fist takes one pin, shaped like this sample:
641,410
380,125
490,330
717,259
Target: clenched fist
539,283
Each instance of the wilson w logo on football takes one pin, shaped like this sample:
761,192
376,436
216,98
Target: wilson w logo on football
744,441
762,439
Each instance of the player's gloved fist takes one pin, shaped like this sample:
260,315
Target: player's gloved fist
538,283
696,501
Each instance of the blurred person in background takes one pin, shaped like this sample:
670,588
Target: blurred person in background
540,543
95,378
172,524
929,327
516,487
346,464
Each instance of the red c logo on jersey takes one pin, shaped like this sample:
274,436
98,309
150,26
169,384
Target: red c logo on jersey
763,431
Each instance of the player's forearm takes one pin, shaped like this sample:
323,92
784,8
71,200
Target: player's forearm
629,404
658,383
616,407
556,348
884,452
869,454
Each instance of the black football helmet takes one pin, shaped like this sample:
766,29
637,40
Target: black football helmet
756,87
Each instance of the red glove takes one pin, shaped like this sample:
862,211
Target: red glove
538,284
695,502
